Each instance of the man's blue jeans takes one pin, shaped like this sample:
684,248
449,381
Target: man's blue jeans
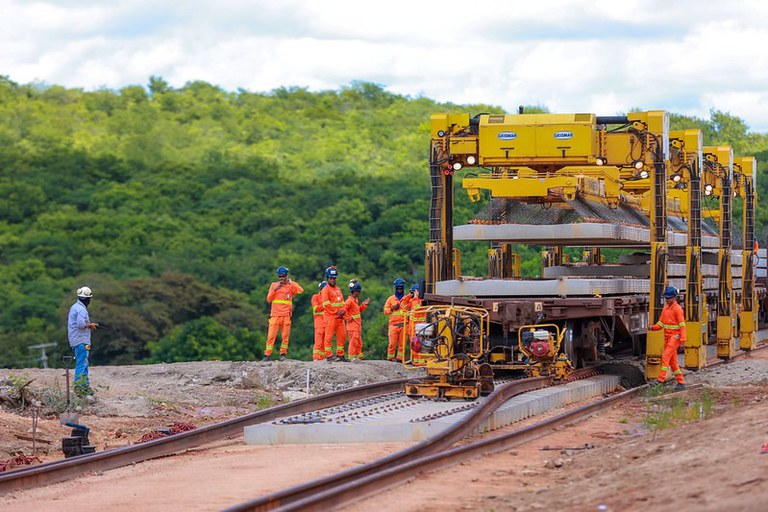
81,366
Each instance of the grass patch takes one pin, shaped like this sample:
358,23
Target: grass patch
54,399
263,401
677,411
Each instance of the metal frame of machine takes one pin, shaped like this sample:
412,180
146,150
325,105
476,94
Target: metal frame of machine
451,343
627,164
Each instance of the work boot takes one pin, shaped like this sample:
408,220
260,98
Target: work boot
655,384
282,357
342,359
330,359
266,358
680,386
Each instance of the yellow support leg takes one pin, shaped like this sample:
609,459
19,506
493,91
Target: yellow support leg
726,345
747,334
695,346
653,349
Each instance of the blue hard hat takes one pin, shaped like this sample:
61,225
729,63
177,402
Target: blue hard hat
322,285
282,271
414,288
669,292
331,272
355,286
399,283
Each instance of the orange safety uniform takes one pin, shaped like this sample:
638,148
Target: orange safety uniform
333,304
280,314
415,317
396,323
672,320
318,350
355,327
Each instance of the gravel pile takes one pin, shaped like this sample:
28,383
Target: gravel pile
733,373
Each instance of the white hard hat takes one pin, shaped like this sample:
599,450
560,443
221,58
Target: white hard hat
84,292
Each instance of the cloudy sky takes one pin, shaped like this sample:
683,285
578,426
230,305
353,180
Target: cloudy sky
601,56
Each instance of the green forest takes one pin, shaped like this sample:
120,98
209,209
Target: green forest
176,205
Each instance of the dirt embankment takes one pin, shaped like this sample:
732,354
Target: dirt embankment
133,400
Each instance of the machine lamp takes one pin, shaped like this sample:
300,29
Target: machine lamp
677,177
708,189
638,164
601,160
644,174
457,166
471,160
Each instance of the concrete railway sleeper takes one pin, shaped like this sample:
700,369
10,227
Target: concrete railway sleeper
430,446
334,496
358,483
60,470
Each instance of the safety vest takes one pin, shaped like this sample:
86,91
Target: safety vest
396,316
282,298
333,300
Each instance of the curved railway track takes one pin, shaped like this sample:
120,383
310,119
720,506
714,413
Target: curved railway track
334,490
302,495
335,495
355,484
59,470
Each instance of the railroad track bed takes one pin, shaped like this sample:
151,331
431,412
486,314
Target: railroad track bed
397,418
283,466
358,454
351,486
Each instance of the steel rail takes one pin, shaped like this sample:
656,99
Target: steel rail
338,495
435,444
335,491
56,471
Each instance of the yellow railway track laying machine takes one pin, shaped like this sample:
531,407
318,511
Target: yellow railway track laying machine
588,181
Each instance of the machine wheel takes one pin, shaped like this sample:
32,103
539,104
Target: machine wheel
568,346
486,379
410,390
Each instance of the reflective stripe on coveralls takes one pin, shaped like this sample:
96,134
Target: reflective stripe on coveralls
318,351
672,320
333,303
396,322
280,296
416,317
282,323
354,327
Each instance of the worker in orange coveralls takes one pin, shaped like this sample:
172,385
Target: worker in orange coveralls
354,322
415,317
280,295
672,320
334,310
318,351
396,309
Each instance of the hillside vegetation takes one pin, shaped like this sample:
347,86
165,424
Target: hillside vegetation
177,205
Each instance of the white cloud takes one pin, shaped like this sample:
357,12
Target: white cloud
600,56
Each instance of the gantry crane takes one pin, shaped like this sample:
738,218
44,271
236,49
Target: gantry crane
611,163
718,164
629,172
745,179
685,199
